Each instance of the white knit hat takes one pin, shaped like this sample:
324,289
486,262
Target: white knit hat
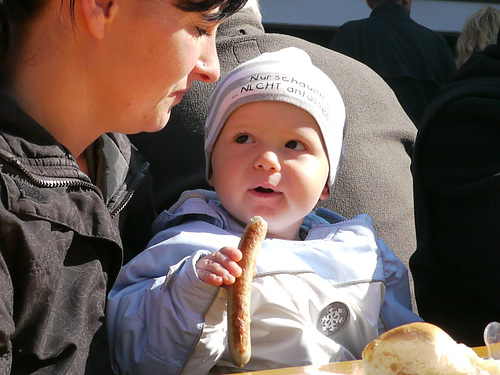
287,76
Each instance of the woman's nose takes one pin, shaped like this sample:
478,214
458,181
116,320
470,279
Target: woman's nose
268,161
207,68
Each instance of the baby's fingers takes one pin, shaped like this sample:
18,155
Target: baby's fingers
232,256
217,269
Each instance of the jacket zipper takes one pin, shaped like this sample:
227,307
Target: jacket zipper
129,194
49,183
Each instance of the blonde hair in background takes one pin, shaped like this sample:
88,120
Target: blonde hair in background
480,30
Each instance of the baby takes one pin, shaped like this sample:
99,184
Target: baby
324,286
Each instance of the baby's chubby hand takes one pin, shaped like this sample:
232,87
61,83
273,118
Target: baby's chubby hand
220,268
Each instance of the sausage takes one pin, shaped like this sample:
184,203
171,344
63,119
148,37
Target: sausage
238,300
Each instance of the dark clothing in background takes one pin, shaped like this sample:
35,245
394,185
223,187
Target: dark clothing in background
375,175
61,246
412,59
457,202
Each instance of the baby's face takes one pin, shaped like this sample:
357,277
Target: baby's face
269,160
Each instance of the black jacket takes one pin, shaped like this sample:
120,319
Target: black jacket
60,244
414,60
457,202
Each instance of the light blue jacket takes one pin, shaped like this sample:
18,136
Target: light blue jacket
314,301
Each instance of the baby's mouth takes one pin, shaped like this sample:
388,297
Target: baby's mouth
261,189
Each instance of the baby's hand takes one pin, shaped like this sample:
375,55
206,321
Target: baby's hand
220,268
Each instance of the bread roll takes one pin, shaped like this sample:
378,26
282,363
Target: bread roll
423,349
238,296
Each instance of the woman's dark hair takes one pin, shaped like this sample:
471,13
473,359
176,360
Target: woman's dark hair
4,31
227,7
15,12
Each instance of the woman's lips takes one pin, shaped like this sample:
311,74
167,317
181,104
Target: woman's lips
178,97
179,94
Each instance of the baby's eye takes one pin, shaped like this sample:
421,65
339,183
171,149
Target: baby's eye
244,138
295,145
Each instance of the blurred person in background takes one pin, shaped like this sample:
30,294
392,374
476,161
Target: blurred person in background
412,59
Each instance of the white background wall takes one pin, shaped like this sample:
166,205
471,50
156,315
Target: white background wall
442,16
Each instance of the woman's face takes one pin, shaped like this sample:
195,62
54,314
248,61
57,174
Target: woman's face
150,54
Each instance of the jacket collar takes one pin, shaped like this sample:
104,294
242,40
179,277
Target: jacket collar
23,139
390,10
117,168
203,205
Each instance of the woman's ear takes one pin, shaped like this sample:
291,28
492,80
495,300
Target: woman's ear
97,14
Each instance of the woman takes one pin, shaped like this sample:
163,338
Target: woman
73,73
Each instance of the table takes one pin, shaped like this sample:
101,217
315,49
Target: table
347,368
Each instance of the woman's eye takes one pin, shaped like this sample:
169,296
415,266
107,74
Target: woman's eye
202,32
295,145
